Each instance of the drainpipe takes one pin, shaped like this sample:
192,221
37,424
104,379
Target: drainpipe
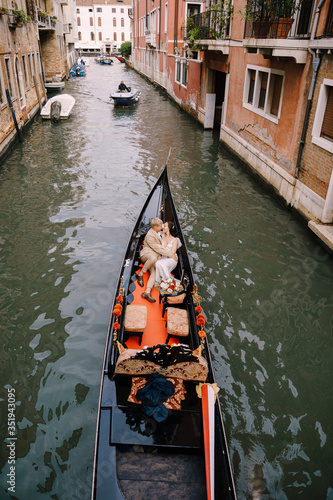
315,66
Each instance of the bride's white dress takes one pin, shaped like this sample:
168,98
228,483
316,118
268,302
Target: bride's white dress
166,265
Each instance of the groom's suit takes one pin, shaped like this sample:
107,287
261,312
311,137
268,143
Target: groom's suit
149,254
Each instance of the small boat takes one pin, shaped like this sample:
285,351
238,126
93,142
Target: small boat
126,98
170,446
120,59
78,70
66,101
106,60
54,86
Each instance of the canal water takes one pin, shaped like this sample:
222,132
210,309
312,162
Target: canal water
69,197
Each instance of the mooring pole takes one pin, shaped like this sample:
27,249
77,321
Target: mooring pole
13,115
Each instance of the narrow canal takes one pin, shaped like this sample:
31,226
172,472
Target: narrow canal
69,197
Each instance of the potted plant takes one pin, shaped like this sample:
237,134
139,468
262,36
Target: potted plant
257,15
4,10
53,20
20,17
282,12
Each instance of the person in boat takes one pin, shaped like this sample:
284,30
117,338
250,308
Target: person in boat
151,252
165,265
122,87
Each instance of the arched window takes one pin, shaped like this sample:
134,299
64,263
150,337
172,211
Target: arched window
91,21
122,22
79,21
123,37
19,79
100,36
114,22
114,37
99,20
79,35
92,36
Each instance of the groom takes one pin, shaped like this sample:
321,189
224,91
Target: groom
150,253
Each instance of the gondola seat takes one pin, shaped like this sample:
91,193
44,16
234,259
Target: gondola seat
135,321
177,323
129,364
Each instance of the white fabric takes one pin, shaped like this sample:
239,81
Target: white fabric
165,265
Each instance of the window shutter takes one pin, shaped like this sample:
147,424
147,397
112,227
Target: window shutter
278,79
327,128
252,75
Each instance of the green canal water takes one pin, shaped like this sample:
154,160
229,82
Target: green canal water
69,197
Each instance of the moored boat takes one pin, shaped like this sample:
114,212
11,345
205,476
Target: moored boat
177,449
126,98
66,102
78,70
106,61
121,59
54,86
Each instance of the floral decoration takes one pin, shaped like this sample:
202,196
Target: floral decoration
201,320
170,285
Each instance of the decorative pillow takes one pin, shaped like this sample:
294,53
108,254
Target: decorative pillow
177,322
135,318
173,403
178,299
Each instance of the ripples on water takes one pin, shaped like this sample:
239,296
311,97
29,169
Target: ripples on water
69,198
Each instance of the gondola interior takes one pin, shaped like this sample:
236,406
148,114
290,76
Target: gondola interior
138,456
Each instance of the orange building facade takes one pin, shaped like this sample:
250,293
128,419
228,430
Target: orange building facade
263,79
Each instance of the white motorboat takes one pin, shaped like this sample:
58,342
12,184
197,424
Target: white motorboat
126,98
67,102
54,86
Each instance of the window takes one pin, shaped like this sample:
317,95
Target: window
100,36
79,35
178,70
91,21
123,37
99,9
9,76
25,71
166,19
113,10
2,89
322,132
114,22
90,10
122,22
92,36
181,72
79,21
263,92
121,11
184,73
99,21
78,11
114,37
18,74
31,71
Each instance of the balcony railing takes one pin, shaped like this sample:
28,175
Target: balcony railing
329,23
274,20
45,21
208,25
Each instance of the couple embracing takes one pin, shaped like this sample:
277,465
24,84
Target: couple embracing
159,254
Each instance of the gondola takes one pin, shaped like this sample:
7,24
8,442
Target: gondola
159,444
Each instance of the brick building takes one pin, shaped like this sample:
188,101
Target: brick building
36,44
265,81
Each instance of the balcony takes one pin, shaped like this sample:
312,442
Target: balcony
274,31
209,30
150,38
45,22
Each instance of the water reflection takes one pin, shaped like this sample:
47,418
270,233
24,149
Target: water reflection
69,198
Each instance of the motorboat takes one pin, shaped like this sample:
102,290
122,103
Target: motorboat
106,60
121,59
78,70
54,86
126,98
66,102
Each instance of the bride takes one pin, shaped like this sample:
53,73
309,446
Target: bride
165,265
